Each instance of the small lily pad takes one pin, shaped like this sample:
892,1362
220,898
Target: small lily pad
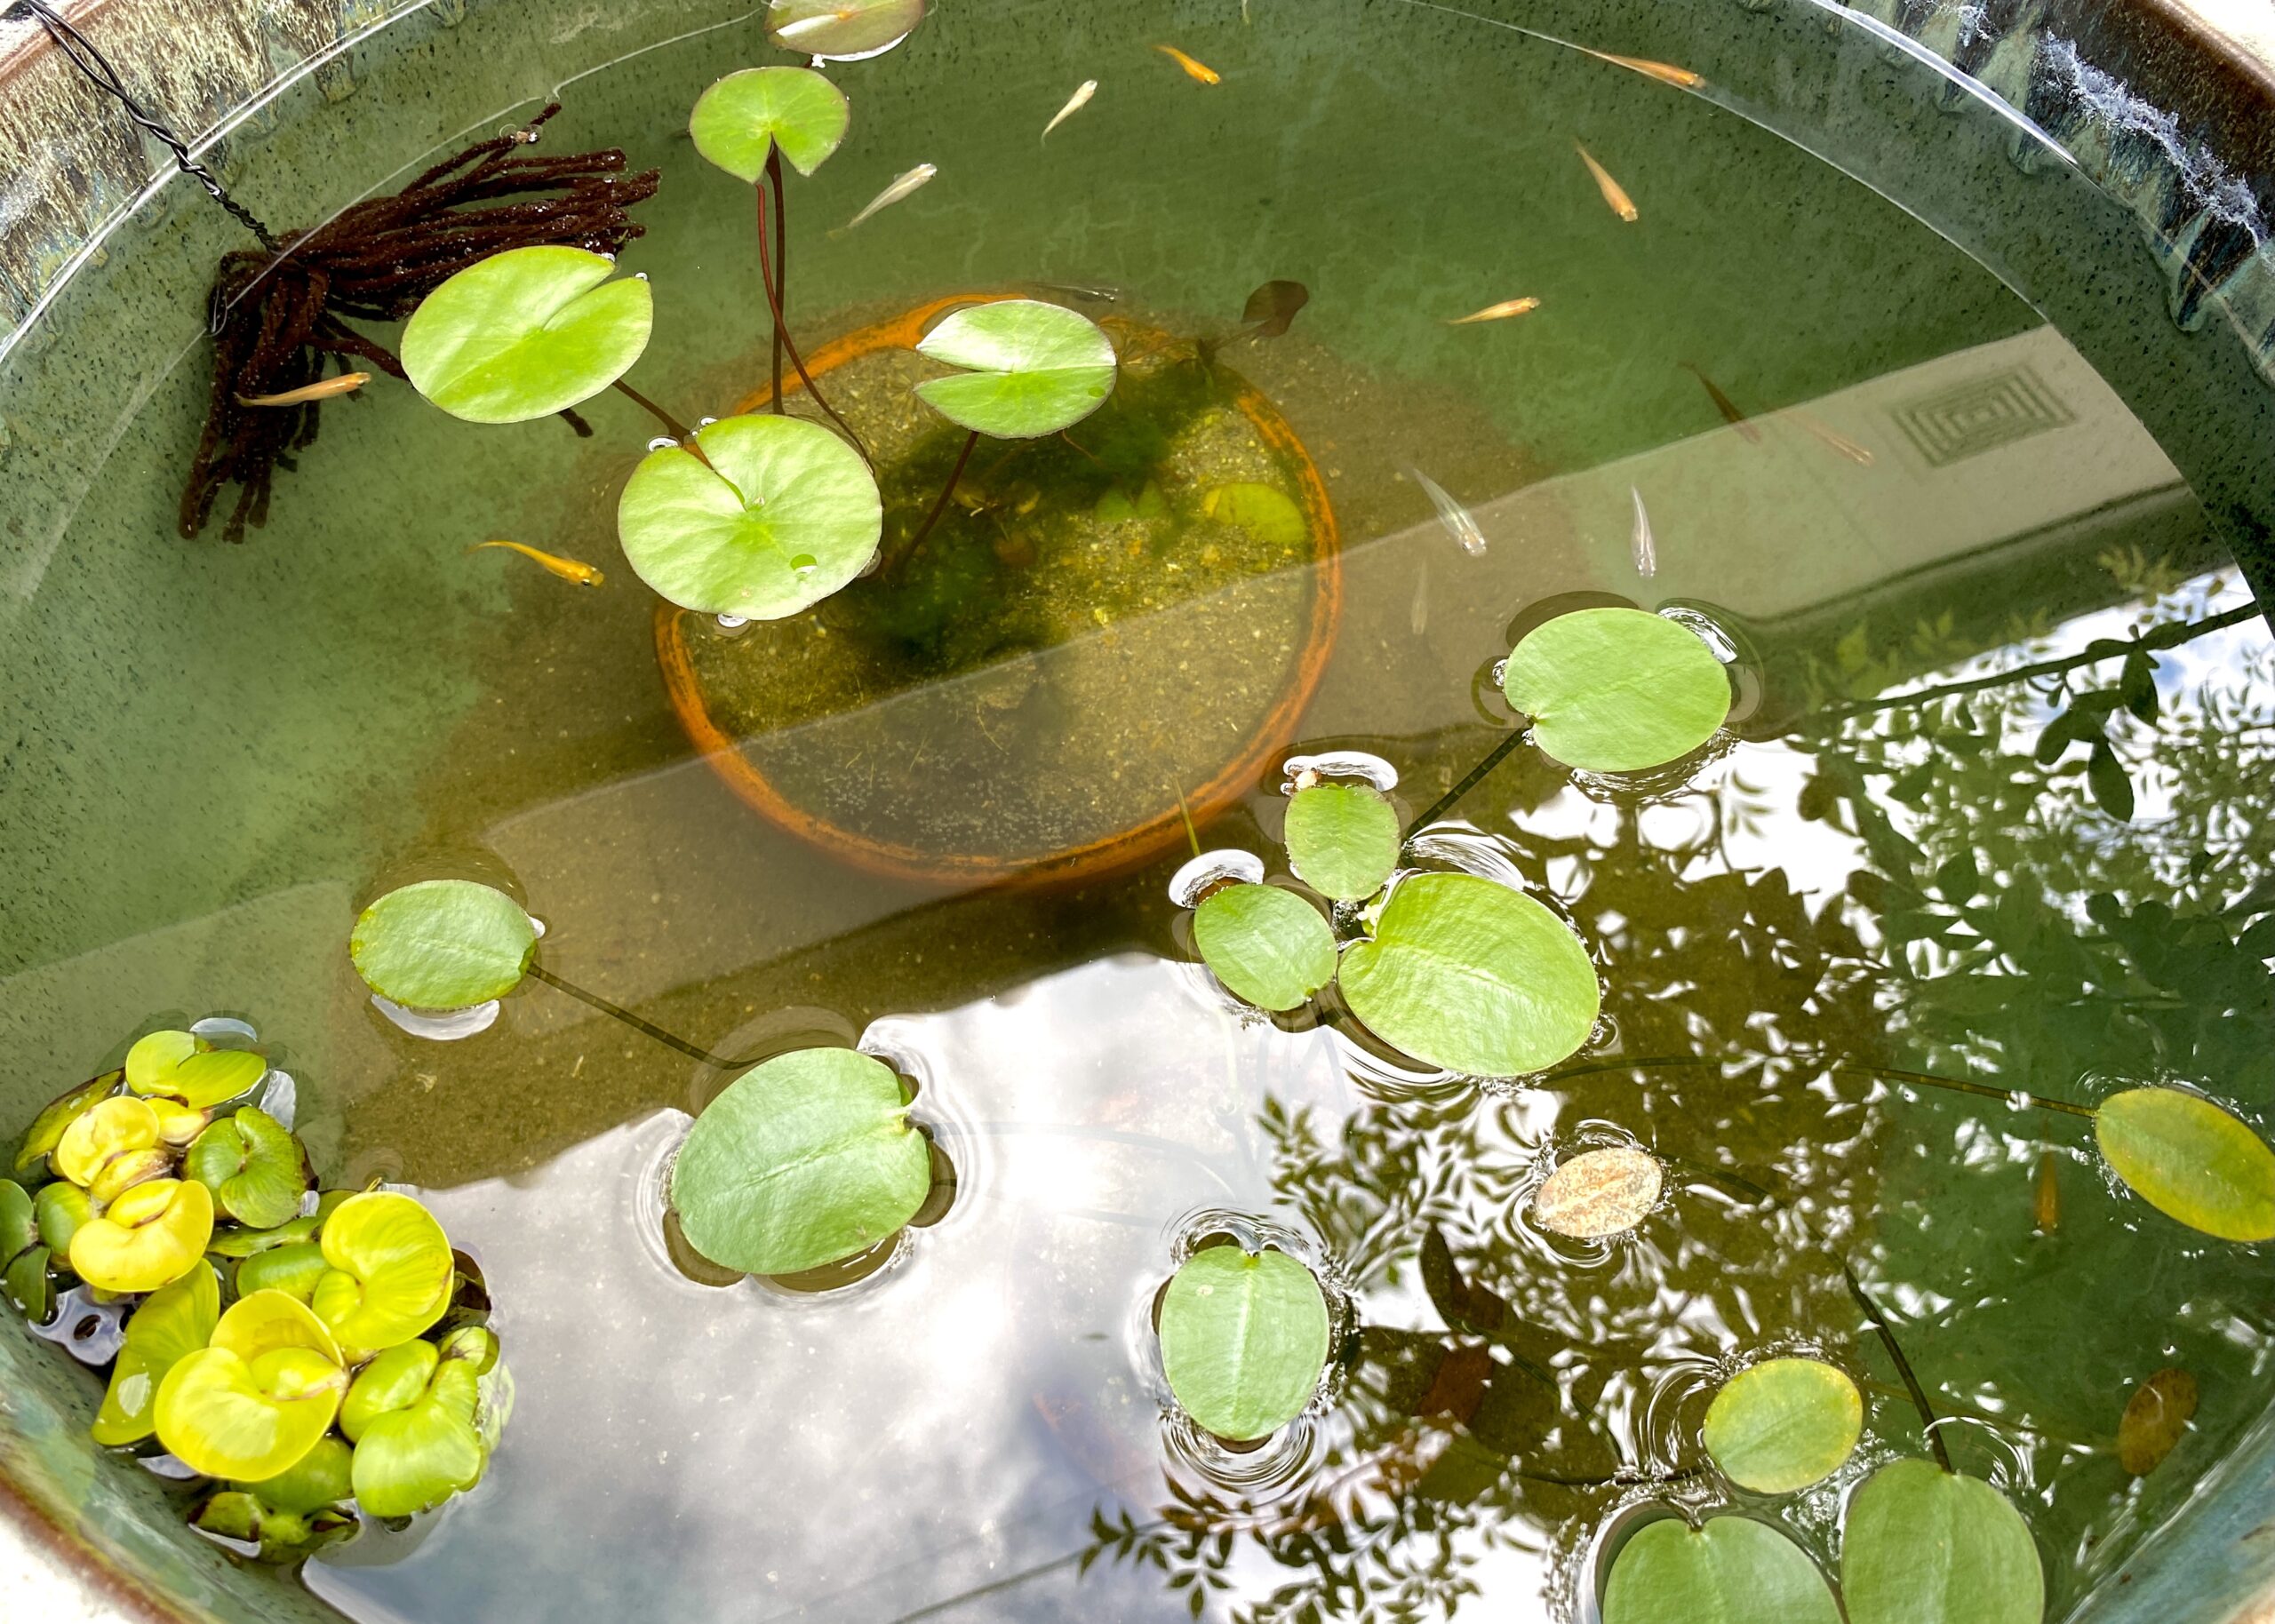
1784,1424
1268,946
1731,1569
1031,368
1925,1546
150,1237
1243,1340
1264,512
783,515
2191,1160
443,945
1470,975
1617,690
170,1325
413,1457
1598,1193
842,29
390,1275
59,1114
741,118
804,1160
526,333
1343,839
252,1165
2156,1418
227,1417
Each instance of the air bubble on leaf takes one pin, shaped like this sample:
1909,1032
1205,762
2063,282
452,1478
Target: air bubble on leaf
805,563
662,442
224,1031
1211,869
450,1028
1300,772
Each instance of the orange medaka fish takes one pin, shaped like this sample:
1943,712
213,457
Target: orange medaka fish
1614,194
1724,404
322,389
1200,71
1860,455
1665,73
567,569
2046,1199
1496,313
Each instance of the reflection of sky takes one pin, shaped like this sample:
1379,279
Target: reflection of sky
682,1453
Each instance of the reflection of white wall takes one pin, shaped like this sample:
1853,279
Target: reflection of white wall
684,1453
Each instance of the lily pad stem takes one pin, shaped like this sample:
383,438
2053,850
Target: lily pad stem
673,426
537,972
773,271
1928,1419
940,506
1470,781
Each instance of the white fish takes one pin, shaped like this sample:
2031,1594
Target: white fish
902,185
1646,547
1458,519
1075,103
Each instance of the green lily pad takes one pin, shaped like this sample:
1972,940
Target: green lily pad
390,1275
841,29
1243,1340
29,1288
804,1160
739,120
256,1400
785,513
59,1209
413,1457
1617,690
1031,369
59,1114
2191,1160
443,945
293,1269
1784,1424
1343,839
319,1479
1268,946
19,1219
252,1165
170,1325
1263,512
199,1080
526,333
1470,975
1731,1569
1925,1546
395,1380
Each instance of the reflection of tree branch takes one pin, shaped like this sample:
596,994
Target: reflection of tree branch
2018,1097
2100,648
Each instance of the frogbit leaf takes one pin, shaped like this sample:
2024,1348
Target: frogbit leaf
1731,1569
29,1286
252,1165
113,1127
1343,839
415,1456
150,1237
60,1113
256,1400
172,1323
742,117
443,945
154,1057
59,1209
2191,1160
804,1160
785,513
1617,690
293,1269
1268,946
526,333
2155,1419
395,1380
318,1479
19,1219
390,1274
1243,1340
1598,1193
1784,1424
1031,369
199,1080
1925,1546
1470,975
841,31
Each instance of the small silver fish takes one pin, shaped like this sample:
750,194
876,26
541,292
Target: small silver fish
1075,103
1459,523
902,185
1646,546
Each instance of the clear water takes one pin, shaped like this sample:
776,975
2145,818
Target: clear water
214,753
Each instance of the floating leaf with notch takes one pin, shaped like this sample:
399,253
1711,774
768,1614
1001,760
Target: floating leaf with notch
804,1160
1030,368
252,1165
743,116
390,1274
443,945
784,514
526,333
1730,1570
1243,1340
1598,1193
1343,839
1268,946
1472,976
413,1457
175,1066
2191,1160
1925,1546
1617,690
257,1400
1784,1424
170,1325
150,1237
